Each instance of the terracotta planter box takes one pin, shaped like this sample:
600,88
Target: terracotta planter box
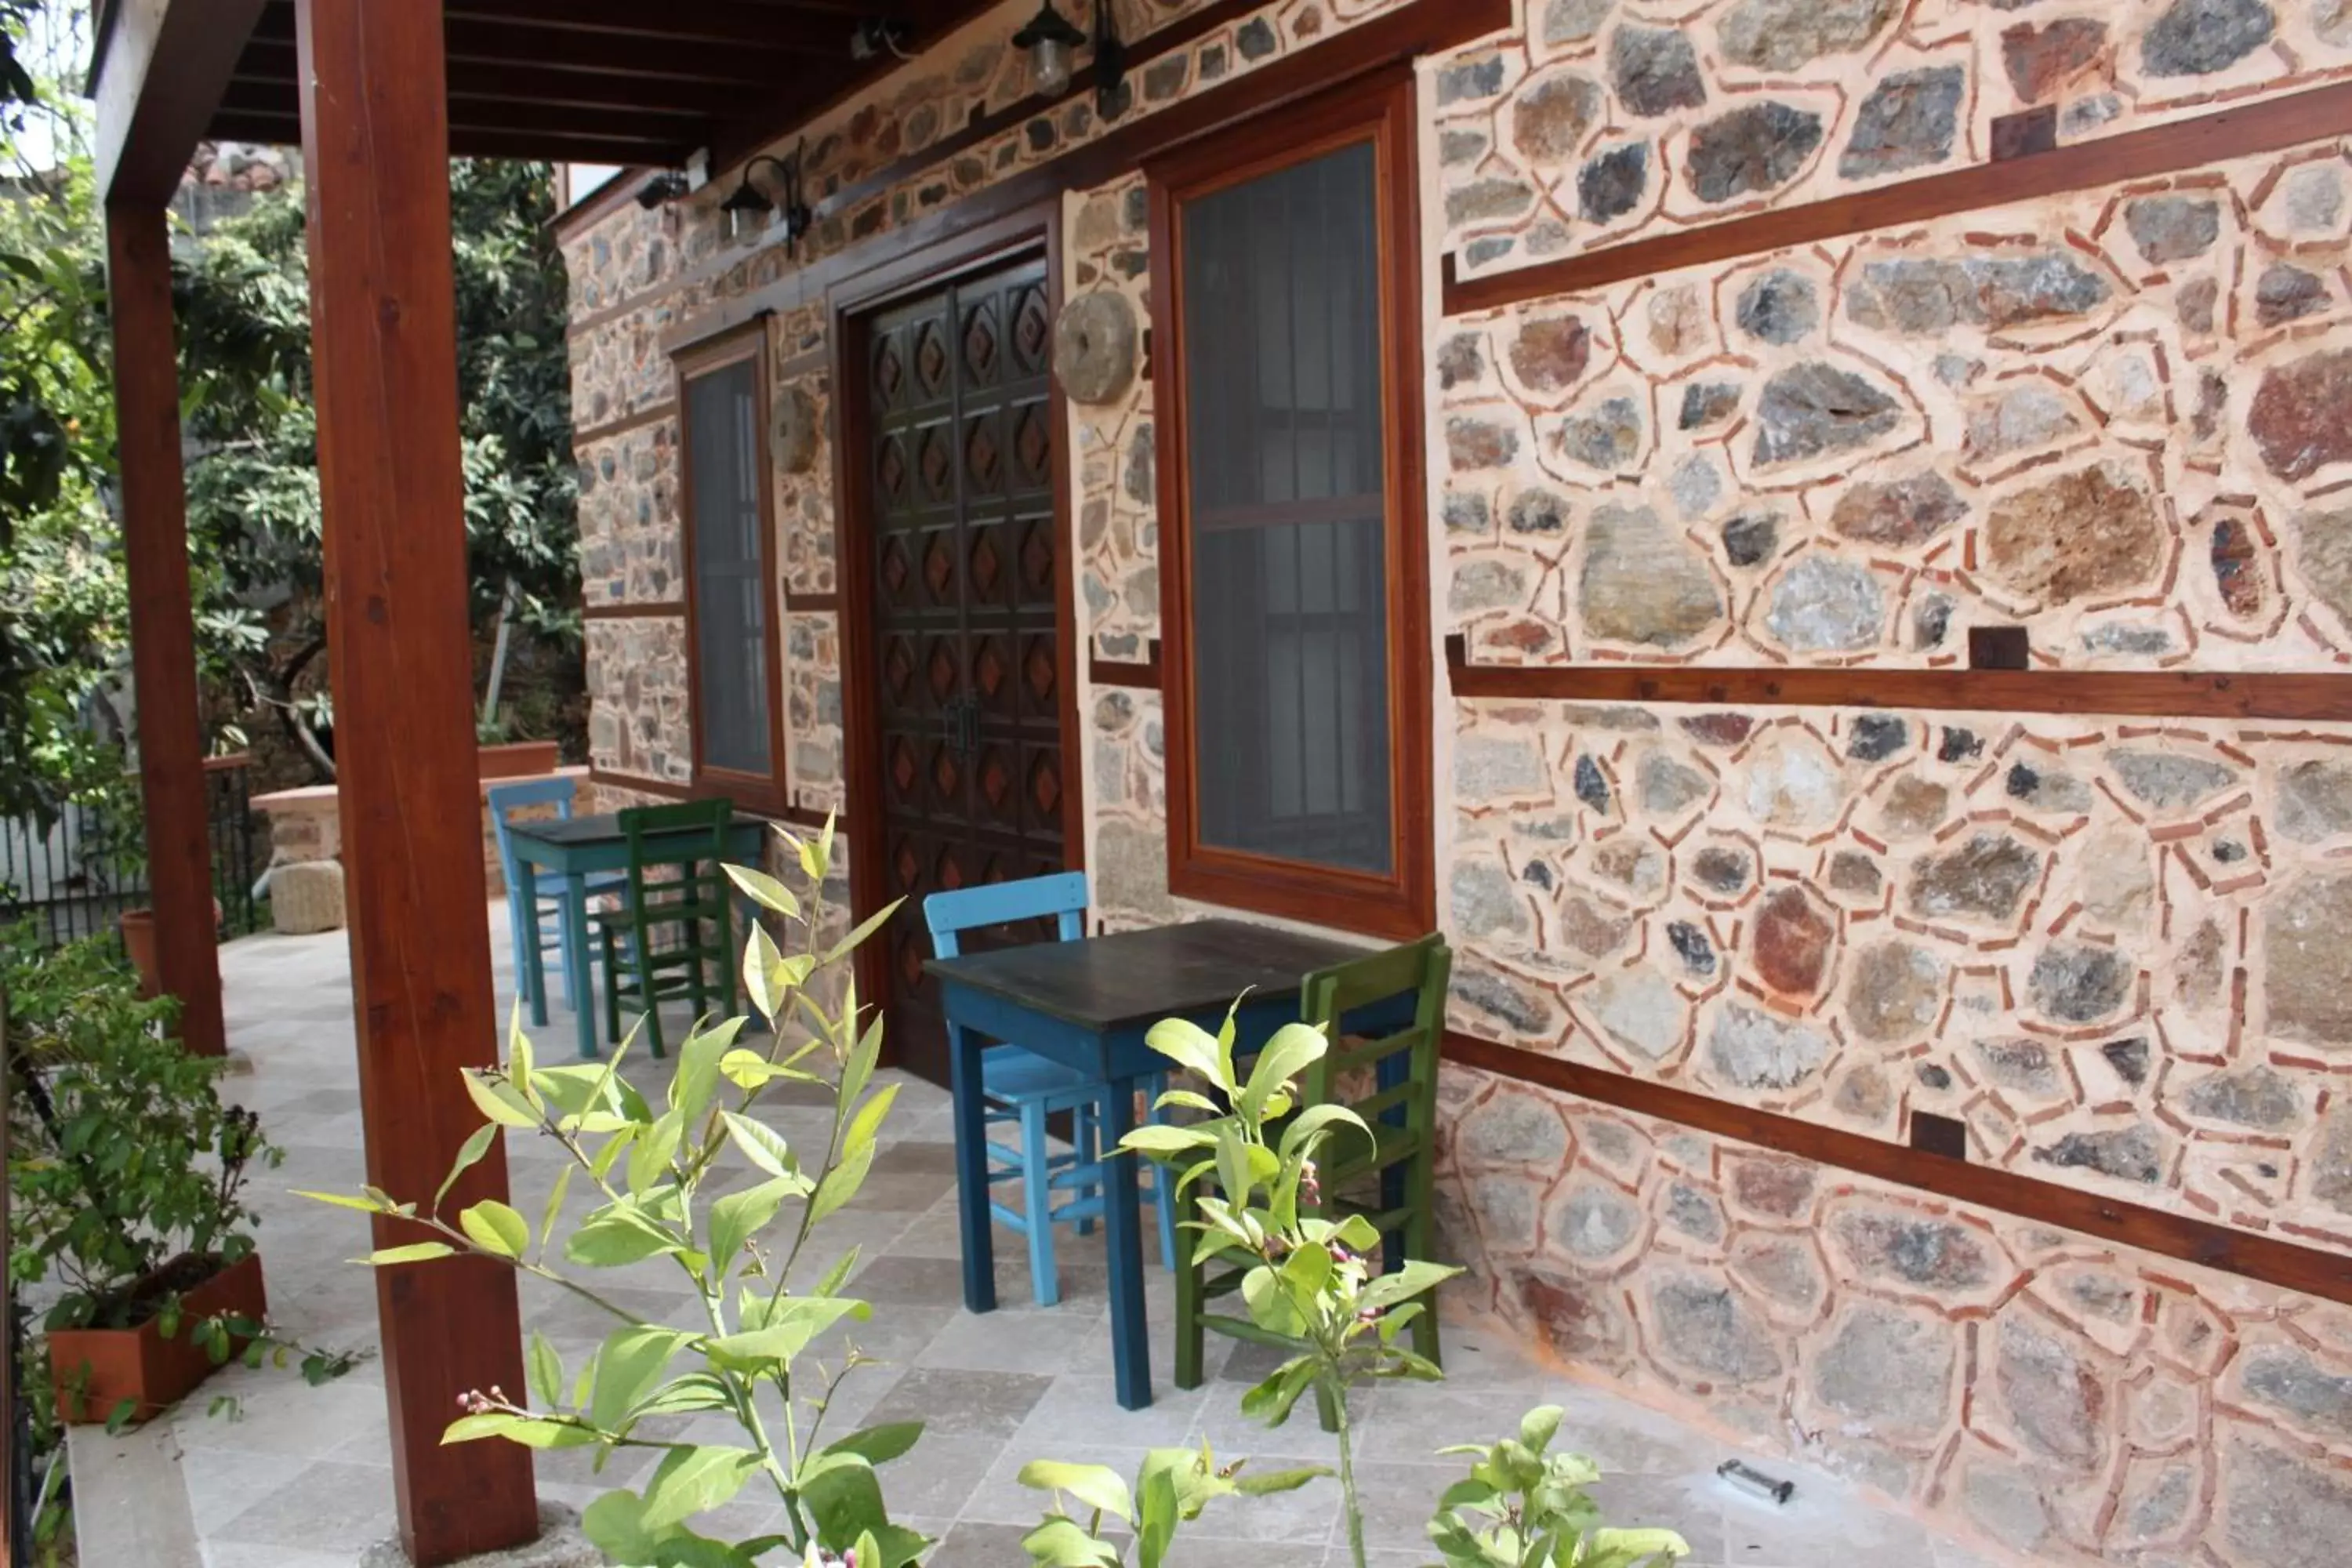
139,946
519,759
140,1364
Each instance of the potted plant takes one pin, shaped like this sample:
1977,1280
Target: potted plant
127,1172
771,1334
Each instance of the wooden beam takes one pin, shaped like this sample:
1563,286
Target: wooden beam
279,101
551,44
270,62
2266,127
723,22
2252,1255
165,64
163,620
2123,693
375,152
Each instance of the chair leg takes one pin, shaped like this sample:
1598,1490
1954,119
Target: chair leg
521,953
1084,1150
1420,1241
612,991
1164,1181
1037,1204
1190,1333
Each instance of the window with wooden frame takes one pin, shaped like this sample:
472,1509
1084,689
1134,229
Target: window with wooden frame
731,612
1294,618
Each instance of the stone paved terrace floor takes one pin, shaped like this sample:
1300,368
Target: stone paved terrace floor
302,1480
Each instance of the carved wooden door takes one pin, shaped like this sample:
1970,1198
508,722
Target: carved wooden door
968,702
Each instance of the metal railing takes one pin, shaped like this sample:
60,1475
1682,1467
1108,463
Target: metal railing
75,873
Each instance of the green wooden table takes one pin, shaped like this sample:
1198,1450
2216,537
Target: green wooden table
575,847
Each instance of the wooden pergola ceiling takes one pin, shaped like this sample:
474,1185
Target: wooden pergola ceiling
611,82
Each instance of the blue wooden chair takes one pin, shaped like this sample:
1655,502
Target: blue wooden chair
1024,1089
544,925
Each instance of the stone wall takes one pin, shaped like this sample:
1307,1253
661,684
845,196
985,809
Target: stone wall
2064,1400
1608,121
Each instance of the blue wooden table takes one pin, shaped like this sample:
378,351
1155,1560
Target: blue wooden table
1088,1005
573,848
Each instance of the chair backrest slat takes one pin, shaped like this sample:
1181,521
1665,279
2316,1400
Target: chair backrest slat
509,798
1062,895
638,823
1420,970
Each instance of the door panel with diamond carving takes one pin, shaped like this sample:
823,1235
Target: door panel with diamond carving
969,704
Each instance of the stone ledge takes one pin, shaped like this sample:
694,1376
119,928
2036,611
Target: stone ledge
559,1545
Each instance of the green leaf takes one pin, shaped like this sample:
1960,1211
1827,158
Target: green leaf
498,1102
616,1522
494,1227
866,927
528,1431
840,1184
1384,1290
617,1236
545,1368
1311,1125
415,1252
1061,1544
518,1058
1193,1048
764,891
1292,1049
630,1364
857,1068
690,1480
762,1145
795,1320
364,1204
657,1146
739,1217
866,1125
1271,1399
1264,1483
554,1211
1165,1139
697,1068
831,1284
879,1444
469,1154
762,970
1096,1485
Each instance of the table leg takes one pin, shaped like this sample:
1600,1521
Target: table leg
972,1169
575,942
532,968
1130,1334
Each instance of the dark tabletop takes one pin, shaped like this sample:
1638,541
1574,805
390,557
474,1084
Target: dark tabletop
1143,977
591,829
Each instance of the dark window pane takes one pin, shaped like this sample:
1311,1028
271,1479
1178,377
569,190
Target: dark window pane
1283,420
730,599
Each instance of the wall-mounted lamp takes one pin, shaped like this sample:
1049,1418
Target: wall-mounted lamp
667,186
1050,37
748,208
1110,61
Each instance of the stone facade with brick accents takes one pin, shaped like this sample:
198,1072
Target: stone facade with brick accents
2110,948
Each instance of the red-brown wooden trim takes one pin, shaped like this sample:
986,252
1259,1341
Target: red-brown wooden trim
1377,109
1417,27
665,609
2267,126
2128,693
811,604
227,762
2247,1254
747,340
653,414
851,302
375,161
163,625
663,789
1143,675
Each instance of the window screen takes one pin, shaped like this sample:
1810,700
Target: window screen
730,633
1289,600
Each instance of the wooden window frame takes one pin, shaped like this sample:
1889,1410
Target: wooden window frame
763,794
1403,903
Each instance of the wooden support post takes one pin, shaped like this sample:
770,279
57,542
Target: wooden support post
162,621
376,153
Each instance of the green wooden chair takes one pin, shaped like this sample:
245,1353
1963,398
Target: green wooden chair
1390,1177
674,935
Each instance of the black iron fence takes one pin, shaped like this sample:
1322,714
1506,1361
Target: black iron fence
74,872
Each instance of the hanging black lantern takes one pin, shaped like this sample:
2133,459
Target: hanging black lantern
1052,41
1111,62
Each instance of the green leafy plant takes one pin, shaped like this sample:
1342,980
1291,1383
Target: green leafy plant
1521,1507
1309,1284
663,1172
127,1170
1172,1486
